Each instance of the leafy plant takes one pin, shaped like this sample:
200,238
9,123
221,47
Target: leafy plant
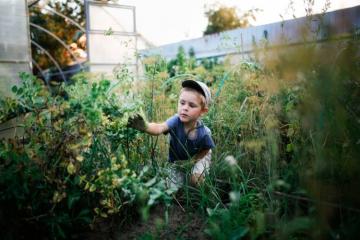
71,165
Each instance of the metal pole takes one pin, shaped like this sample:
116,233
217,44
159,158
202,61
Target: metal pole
51,58
58,39
47,8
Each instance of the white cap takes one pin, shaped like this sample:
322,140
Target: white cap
200,87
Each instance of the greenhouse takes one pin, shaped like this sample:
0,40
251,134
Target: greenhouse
249,131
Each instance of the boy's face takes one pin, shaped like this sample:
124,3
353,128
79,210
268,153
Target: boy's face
190,106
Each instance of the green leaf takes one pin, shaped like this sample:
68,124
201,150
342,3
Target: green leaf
289,147
72,199
239,233
60,231
150,182
84,215
14,89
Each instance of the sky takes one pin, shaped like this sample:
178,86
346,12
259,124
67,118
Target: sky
167,21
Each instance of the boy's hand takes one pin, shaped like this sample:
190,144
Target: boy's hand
137,122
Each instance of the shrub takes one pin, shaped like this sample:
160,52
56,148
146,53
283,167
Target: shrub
71,166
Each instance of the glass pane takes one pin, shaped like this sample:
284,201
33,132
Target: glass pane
112,39
14,43
112,49
110,68
9,75
13,25
114,18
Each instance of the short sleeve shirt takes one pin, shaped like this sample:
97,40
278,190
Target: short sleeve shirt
182,147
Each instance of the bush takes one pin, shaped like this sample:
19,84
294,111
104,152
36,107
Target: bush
71,166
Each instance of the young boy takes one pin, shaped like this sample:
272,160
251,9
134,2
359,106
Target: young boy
190,138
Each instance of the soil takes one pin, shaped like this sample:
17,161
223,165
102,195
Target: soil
181,224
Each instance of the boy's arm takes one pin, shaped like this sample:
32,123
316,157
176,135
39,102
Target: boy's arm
156,128
201,154
207,144
139,123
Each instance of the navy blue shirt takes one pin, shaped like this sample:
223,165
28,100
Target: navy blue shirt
182,147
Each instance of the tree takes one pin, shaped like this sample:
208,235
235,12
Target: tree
226,18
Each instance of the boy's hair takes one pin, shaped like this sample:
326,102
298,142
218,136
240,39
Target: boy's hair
203,101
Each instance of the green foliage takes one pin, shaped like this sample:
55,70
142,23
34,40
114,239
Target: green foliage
240,220
182,63
71,166
287,132
284,166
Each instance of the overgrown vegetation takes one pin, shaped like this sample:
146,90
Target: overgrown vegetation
287,135
286,126
72,166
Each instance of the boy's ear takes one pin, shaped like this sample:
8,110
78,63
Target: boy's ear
204,110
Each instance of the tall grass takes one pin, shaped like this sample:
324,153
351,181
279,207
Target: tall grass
287,132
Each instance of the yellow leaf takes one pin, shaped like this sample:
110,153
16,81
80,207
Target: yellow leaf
71,168
82,178
80,158
92,188
97,210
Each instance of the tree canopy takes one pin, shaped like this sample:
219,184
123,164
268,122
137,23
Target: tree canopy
224,18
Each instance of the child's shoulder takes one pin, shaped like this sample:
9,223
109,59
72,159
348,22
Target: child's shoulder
204,134
206,130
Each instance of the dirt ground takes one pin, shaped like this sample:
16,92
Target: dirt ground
181,225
